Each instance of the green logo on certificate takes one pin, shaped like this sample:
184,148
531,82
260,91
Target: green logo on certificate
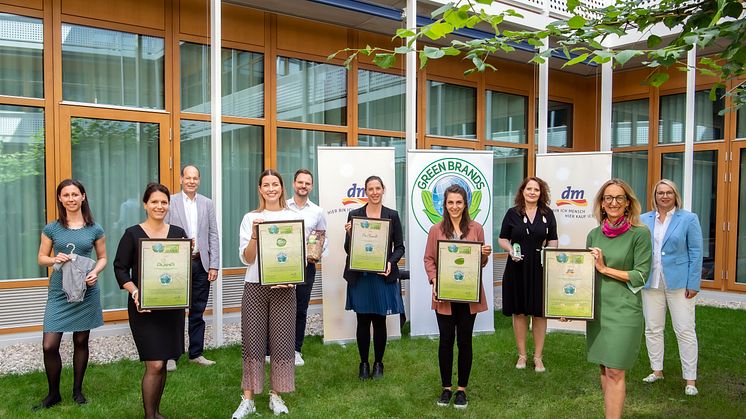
282,257
458,275
281,242
273,229
562,258
158,248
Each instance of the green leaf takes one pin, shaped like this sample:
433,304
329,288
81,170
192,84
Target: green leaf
576,22
476,199
430,211
657,79
579,59
653,41
451,51
402,49
572,5
611,29
404,33
537,59
384,60
440,10
423,59
478,63
733,10
433,53
535,42
623,56
488,2
434,218
438,30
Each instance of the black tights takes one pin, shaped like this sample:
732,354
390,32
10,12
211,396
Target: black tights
153,383
53,365
456,327
364,321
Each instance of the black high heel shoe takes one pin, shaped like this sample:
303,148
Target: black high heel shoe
364,373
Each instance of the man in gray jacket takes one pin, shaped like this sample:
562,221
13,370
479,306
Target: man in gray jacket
195,213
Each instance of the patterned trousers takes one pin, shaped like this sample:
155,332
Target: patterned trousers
268,314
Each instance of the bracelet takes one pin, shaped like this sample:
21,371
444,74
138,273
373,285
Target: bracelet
253,238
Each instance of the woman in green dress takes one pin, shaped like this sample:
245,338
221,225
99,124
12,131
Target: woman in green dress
623,253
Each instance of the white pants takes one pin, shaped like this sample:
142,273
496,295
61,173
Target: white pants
682,316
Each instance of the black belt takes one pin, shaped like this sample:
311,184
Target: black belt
195,256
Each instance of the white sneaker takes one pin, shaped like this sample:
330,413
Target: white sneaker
691,390
652,378
170,365
266,359
201,360
299,359
246,408
277,405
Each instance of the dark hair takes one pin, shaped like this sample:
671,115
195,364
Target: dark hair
372,178
84,208
275,173
543,204
190,165
302,172
447,225
152,188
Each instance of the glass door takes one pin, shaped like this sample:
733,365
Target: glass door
708,202
115,154
736,273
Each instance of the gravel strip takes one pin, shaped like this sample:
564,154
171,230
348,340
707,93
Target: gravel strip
26,357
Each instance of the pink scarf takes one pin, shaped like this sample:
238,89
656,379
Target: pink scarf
617,229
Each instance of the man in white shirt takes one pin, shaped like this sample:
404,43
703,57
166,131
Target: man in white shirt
314,221
195,213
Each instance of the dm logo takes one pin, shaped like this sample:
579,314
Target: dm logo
572,196
355,195
428,193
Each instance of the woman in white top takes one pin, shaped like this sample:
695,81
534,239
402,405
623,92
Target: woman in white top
267,312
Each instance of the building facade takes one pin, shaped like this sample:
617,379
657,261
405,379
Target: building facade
117,94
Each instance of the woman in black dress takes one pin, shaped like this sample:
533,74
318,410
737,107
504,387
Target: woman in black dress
158,335
531,225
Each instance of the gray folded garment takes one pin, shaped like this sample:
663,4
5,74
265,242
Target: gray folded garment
74,272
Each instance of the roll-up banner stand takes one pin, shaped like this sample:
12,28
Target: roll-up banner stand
573,179
341,184
429,173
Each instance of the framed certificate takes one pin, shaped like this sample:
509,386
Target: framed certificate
369,244
459,271
569,283
281,252
165,273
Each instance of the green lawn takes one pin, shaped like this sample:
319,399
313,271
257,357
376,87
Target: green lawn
327,385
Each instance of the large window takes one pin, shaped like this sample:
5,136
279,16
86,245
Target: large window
22,191
296,149
704,197
508,170
21,56
506,117
311,92
400,168
380,100
242,164
242,82
110,67
114,160
629,123
632,167
708,123
451,110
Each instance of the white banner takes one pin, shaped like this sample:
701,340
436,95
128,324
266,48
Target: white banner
429,173
573,179
341,184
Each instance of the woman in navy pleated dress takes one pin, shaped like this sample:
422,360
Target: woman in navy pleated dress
73,232
373,296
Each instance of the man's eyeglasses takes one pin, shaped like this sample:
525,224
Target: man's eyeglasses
620,199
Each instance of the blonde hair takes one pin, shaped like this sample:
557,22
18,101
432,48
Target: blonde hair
632,212
677,196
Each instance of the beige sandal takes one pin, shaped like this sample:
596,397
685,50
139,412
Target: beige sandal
521,364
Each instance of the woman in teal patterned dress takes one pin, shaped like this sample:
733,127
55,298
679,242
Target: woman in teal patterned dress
73,231
623,253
